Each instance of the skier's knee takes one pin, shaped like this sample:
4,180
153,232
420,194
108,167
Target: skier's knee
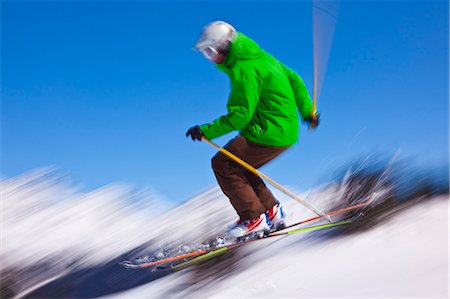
216,164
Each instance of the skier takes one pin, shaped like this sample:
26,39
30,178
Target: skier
262,105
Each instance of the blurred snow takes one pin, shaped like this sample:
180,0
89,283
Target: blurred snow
406,257
52,230
43,217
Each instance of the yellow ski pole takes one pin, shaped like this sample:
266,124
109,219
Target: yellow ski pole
262,175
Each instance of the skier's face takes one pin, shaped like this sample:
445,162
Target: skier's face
213,55
219,58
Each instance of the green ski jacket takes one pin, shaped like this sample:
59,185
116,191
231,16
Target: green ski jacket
264,99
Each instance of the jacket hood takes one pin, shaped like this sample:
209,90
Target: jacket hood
242,48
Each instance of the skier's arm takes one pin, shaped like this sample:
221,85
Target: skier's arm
241,105
302,98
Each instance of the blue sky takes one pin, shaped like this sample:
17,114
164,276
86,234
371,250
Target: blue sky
105,90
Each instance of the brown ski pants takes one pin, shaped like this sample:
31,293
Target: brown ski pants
247,192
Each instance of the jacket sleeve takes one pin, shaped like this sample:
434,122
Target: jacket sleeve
244,96
302,98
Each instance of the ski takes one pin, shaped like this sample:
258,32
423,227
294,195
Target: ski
332,213
222,250
131,265
203,254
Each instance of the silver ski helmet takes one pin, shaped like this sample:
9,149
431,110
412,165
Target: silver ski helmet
215,38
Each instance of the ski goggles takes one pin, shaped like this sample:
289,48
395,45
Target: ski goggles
209,52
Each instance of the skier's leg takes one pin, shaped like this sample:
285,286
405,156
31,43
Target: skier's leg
258,155
247,192
234,184
264,194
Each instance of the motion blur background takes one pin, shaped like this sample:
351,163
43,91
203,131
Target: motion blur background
95,169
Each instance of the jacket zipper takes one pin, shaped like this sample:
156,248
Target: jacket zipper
264,103
261,129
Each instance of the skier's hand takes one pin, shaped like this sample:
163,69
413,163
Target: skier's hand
195,133
313,120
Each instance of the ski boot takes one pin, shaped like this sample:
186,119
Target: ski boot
243,230
276,217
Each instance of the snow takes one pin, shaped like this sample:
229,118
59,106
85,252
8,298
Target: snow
45,218
406,257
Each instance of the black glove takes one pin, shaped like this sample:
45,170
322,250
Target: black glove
195,133
313,120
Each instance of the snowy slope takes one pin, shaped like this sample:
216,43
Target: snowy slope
405,257
58,242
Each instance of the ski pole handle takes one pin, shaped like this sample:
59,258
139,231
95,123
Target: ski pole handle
262,175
